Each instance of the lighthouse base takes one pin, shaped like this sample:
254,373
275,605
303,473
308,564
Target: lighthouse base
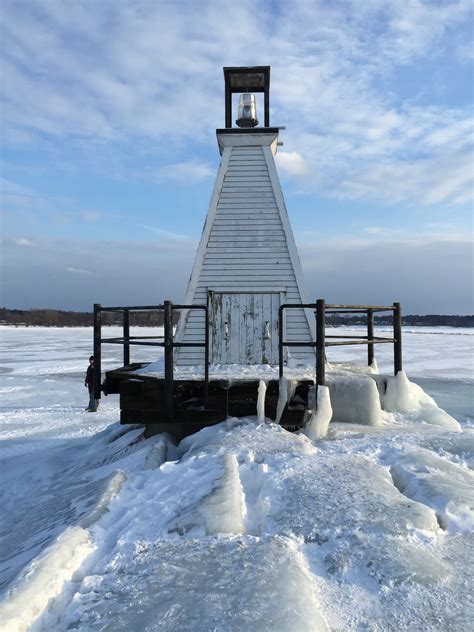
142,400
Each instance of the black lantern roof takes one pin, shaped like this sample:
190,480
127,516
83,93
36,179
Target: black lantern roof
247,79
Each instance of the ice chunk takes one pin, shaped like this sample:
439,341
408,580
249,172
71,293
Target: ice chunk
374,367
444,486
114,484
45,579
318,424
355,399
262,389
158,454
403,396
286,390
221,510
242,583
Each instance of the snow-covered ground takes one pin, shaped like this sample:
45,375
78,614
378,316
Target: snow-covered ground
242,526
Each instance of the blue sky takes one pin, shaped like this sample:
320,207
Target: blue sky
109,152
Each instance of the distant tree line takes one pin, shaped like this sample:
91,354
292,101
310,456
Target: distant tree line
429,320
56,318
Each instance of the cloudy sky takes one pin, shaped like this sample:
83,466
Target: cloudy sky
109,153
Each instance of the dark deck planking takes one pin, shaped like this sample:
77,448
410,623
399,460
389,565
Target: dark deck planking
142,400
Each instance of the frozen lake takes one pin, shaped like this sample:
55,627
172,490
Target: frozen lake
242,526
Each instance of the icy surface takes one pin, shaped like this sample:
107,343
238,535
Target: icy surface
355,399
318,424
242,526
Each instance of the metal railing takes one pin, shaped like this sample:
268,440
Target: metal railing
167,341
320,310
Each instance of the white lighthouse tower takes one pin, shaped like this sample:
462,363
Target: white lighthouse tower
247,264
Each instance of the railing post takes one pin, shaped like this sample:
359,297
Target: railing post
168,345
97,350
126,337
320,341
370,336
280,340
397,334
206,357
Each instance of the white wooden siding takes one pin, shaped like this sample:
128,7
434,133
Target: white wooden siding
246,243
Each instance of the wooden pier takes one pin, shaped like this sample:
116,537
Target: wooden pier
166,403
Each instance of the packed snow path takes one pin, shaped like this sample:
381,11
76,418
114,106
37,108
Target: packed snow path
252,527
242,526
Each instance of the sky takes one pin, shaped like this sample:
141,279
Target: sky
109,153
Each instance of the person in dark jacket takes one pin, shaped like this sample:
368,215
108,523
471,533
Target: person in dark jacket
89,382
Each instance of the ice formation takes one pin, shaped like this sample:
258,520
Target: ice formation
355,399
243,525
262,390
318,424
403,396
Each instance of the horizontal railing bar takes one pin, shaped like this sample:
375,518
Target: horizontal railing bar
346,311
140,308
359,342
298,305
364,307
189,344
349,337
111,341
127,340
298,344
133,308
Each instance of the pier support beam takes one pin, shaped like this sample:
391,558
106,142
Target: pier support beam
397,334
370,336
97,349
168,345
320,341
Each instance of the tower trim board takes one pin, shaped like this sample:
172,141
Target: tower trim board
290,239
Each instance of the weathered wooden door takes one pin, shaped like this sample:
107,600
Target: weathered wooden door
244,327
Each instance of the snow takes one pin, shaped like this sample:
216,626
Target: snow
242,525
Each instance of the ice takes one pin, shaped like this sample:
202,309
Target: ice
355,399
239,583
318,424
404,396
446,487
286,390
242,525
45,579
262,389
221,510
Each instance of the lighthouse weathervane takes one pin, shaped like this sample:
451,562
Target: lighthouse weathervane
247,264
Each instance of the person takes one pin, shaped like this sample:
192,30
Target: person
89,383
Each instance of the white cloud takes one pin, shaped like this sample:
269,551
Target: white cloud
185,172
428,273
80,271
22,241
151,72
291,163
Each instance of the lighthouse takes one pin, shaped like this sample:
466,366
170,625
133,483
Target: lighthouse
247,264
244,342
